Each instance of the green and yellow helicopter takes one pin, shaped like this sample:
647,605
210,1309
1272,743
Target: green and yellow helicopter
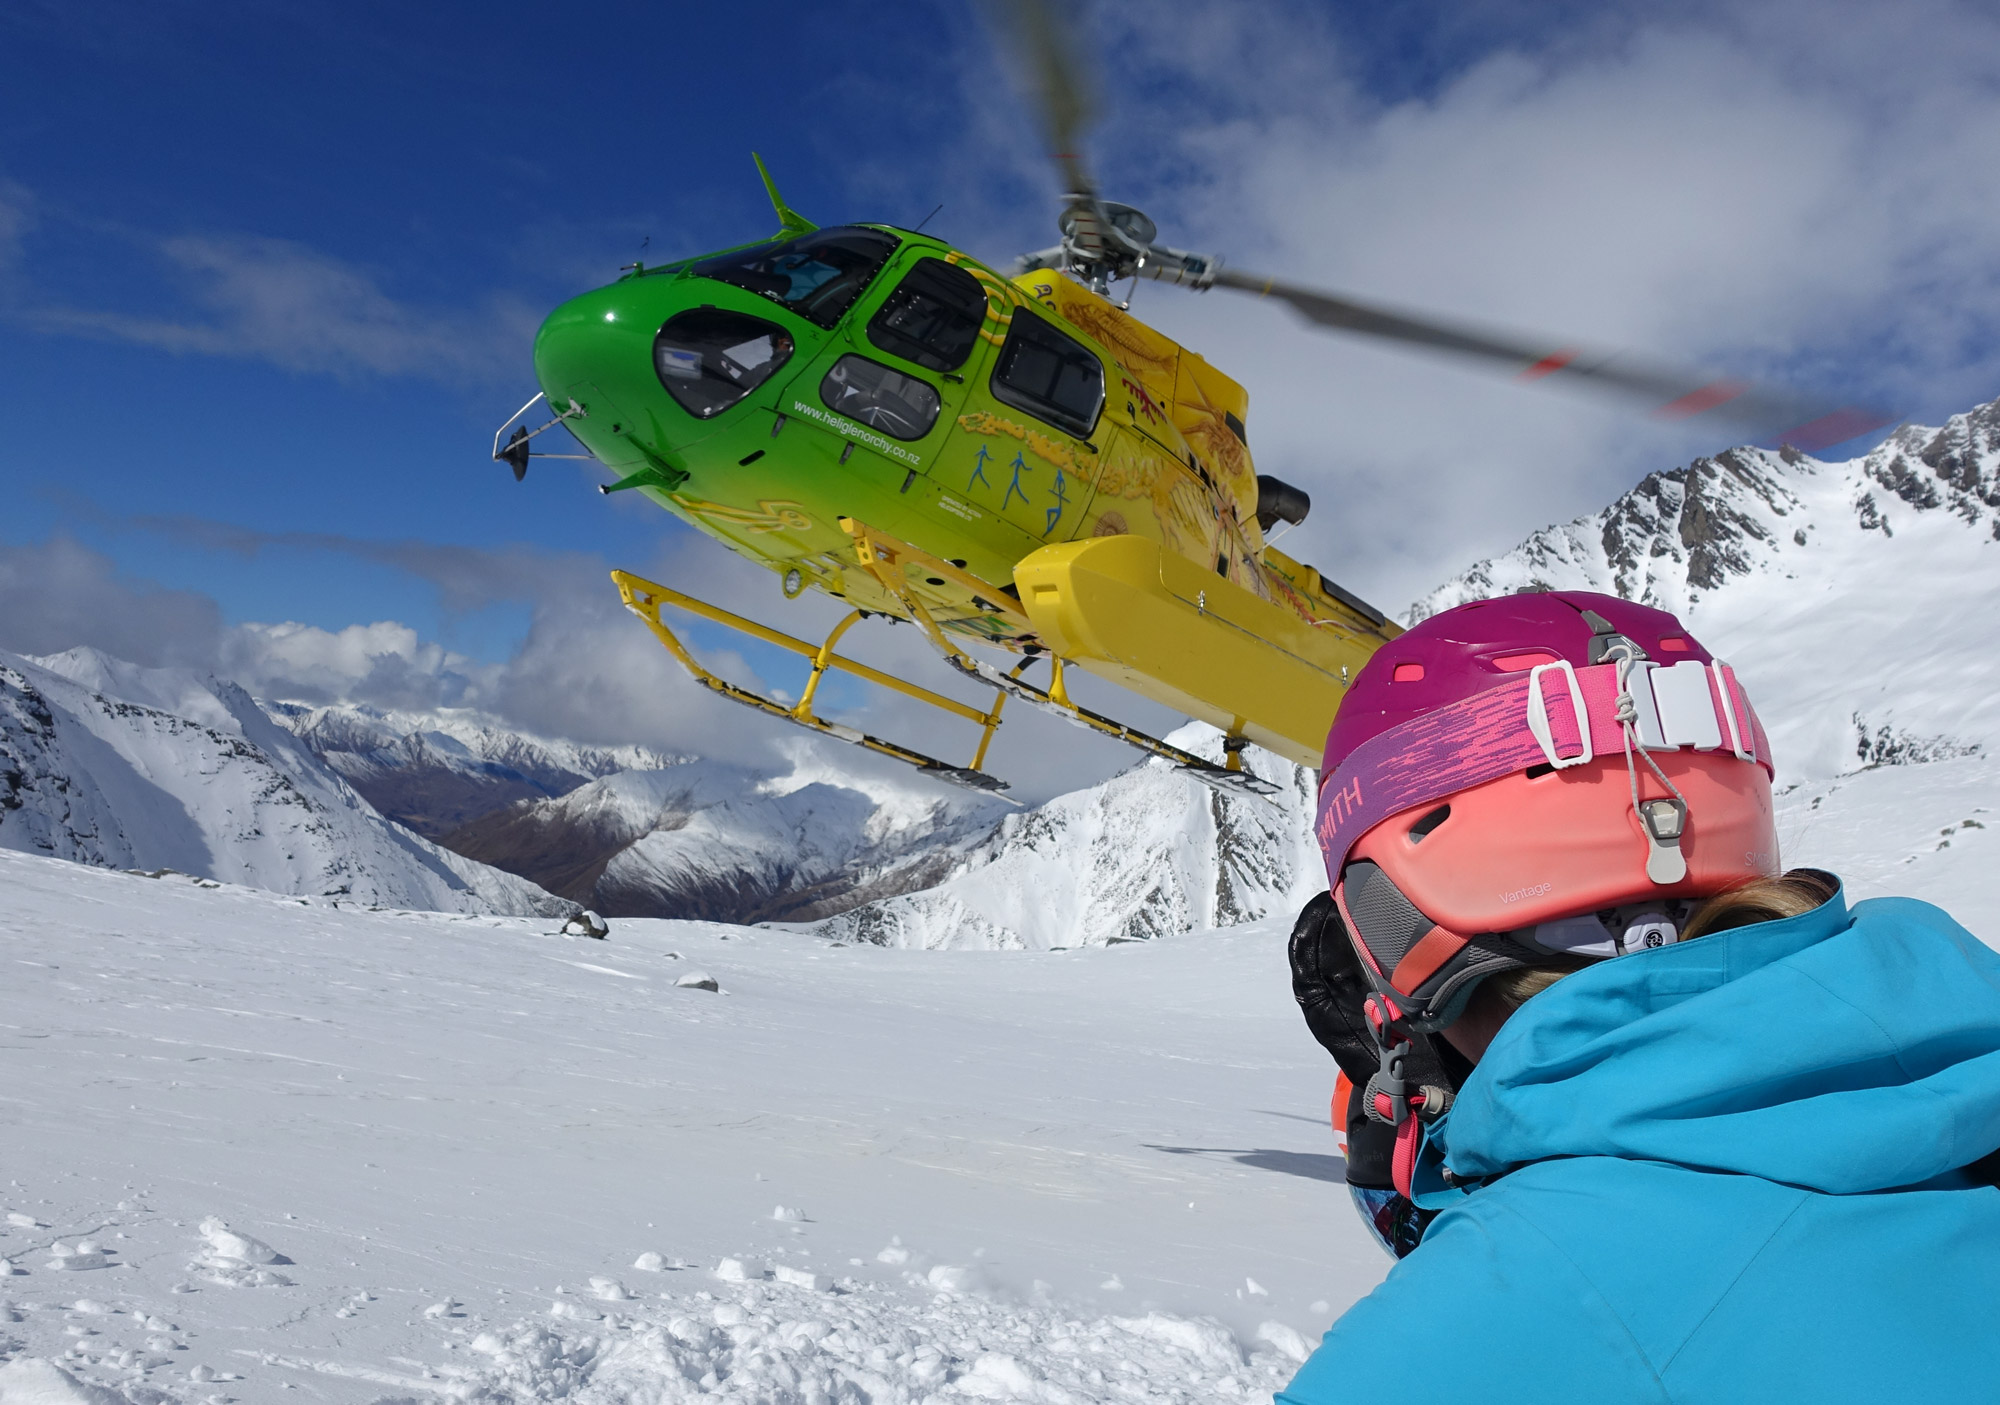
1014,463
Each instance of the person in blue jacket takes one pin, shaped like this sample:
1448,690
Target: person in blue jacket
1644,1119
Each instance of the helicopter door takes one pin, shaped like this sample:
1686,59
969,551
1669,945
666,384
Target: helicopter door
1037,466
892,389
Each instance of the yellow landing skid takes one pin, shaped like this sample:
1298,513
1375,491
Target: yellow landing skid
645,598
889,561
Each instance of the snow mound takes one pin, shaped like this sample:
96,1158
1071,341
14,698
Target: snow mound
30,1380
789,1341
237,1260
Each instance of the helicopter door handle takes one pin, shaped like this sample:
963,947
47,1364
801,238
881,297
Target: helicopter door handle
948,376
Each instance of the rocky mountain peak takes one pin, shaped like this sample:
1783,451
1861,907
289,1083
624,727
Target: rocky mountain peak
1684,533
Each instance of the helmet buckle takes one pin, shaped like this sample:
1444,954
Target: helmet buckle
1538,715
1665,821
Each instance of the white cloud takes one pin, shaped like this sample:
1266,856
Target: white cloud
279,301
386,664
1805,192
59,593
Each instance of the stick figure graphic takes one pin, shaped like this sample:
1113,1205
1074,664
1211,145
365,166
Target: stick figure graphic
1020,466
1062,501
979,469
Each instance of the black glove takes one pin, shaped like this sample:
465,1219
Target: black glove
1330,985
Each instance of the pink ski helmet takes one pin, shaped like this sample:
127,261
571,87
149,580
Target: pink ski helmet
1558,773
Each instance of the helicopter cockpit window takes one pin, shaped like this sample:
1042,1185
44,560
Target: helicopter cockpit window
817,275
1052,376
901,406
933,316
709,358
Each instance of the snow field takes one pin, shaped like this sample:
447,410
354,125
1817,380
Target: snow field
252,1144
378,1156
859,1342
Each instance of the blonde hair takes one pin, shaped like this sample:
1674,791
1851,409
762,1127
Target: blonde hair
1759,900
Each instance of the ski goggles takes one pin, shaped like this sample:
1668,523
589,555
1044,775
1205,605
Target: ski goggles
1394,1222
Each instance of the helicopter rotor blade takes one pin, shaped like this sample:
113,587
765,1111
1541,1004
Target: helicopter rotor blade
1674,392
1063,96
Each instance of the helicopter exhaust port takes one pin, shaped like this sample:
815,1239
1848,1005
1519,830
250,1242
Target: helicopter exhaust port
1279,501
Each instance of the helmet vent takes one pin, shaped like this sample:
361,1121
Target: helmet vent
1428,823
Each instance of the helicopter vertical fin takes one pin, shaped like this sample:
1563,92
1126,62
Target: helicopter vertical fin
790,221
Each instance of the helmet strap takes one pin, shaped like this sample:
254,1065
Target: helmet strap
1389,1096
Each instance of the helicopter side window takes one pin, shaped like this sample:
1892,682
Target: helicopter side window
709,358
817,275
1052,376
901,406
933,317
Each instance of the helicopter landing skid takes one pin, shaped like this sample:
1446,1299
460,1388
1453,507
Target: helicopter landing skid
645,598
884,558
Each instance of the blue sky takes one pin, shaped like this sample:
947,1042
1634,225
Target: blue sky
269,276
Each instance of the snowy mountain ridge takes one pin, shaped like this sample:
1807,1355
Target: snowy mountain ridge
724,843
106,763
434,771
1858,599
1145,854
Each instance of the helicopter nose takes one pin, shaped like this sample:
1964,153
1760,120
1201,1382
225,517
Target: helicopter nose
579,338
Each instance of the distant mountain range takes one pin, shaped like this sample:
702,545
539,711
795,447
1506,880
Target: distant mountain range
436,771
106,763
1858,600
637,833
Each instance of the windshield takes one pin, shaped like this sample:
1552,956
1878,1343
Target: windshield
817,275
709,358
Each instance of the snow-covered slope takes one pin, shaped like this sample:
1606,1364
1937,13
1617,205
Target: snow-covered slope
1148,853
708,840
1860,600
106,763
260,1150
436,771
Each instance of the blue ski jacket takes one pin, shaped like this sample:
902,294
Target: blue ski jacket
1726,1170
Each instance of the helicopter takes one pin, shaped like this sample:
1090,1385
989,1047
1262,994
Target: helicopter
1011,461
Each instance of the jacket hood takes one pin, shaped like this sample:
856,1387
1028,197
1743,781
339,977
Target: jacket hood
1840,1051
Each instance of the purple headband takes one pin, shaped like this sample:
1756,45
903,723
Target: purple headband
1531,721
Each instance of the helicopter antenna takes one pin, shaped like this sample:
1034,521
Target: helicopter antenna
790,221
928,218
